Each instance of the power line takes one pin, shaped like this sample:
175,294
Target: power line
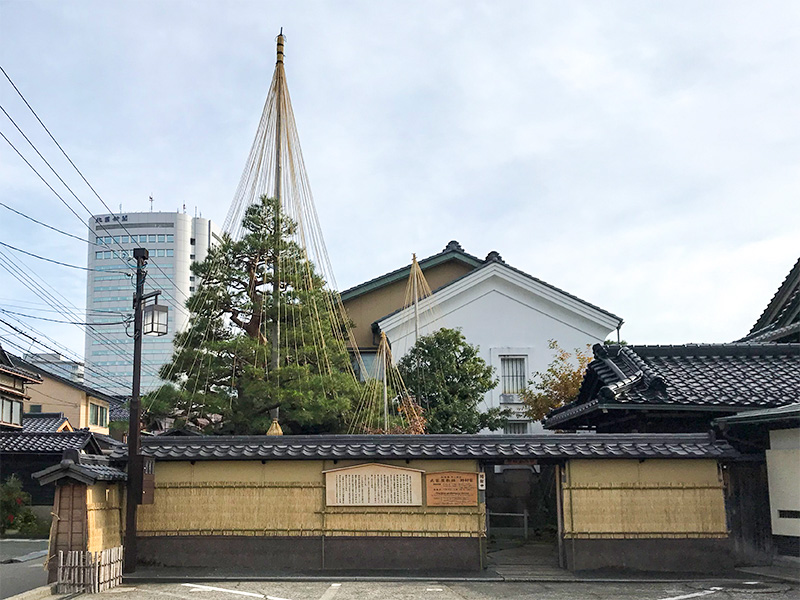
57,262
21,214
43,345
74,166
41,291
11,312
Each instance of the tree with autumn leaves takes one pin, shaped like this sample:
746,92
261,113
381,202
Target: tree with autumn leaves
557,385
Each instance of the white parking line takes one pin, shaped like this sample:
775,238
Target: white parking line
331,591
707,592
208,588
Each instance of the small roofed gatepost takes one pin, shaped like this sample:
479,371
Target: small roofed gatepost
88,507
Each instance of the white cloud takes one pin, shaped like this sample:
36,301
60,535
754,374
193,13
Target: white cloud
644,159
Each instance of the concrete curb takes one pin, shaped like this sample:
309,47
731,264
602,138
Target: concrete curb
35,594
25,557
134,579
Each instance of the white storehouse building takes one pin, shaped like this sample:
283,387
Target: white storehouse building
509,314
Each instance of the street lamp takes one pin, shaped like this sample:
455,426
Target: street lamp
155,318
147,320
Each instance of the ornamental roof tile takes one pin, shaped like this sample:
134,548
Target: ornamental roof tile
722,377
485,447
784,308
82,468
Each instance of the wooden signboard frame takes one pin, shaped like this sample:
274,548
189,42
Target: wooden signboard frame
373,484
451,488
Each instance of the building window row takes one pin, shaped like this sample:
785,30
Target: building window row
111,299
107,254
110,277
151,238
111,288
113,363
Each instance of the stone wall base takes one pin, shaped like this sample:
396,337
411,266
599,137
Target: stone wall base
704,555
312,553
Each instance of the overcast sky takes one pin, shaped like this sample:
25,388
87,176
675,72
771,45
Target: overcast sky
642,156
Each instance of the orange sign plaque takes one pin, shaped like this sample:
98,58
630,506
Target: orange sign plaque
451,488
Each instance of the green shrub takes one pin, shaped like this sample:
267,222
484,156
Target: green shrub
15,510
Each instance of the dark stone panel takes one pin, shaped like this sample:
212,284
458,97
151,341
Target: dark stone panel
288,554
415,553
787,545
232,552
654,554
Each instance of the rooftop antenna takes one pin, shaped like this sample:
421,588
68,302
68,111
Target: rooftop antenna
184,208
151,202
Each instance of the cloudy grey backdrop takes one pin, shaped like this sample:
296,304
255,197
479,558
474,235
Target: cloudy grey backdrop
642,156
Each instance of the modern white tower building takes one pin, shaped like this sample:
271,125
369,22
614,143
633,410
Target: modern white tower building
175,241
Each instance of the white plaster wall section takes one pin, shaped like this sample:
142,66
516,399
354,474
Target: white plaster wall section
783,466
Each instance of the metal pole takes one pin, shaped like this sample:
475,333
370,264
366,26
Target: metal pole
276,291
385,347
414,268
134,488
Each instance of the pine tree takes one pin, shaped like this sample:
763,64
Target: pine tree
263,334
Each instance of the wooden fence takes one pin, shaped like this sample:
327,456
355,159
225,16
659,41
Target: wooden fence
89,572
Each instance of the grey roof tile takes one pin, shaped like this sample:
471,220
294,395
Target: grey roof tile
719,376
42,422
486,447
19,442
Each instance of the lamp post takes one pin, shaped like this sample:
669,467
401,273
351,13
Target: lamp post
147,320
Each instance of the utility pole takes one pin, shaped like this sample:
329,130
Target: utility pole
151,320
134,491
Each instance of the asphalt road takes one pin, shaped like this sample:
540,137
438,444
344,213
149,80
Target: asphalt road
432,590
16,578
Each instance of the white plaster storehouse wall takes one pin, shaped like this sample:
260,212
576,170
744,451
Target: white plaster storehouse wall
505,313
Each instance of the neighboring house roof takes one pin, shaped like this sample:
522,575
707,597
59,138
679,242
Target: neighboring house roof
707,377
84,469
106,442
39,372
495,265
390,447
117,409
782,415
7,365
781,317
45,422
452,252
19,442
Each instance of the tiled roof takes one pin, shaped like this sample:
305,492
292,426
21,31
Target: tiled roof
19,442
39,372
783,309
43,422
117,410
726,377
453,251
788,413
7,364
86,469
387,447
498,260
107,442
